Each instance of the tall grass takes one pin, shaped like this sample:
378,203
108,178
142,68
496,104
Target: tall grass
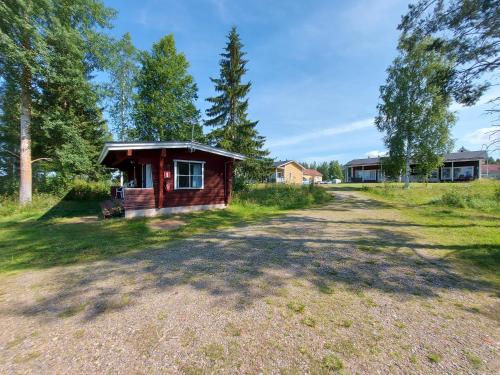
283,197
482,195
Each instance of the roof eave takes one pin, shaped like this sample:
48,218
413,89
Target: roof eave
161,145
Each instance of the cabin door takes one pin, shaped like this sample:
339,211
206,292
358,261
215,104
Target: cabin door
147,176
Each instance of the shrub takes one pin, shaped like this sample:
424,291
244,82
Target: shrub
453,198
84,190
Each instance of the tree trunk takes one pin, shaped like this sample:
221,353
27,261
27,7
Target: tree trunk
407,172
25,183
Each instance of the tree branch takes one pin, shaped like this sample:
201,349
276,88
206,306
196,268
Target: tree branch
10,152
40,159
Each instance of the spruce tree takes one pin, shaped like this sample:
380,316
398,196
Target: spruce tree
164,108
228,116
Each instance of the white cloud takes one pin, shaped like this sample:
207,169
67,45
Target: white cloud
221,8
322,158
375,154
316,134
478,138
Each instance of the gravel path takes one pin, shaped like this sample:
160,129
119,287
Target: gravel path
337,288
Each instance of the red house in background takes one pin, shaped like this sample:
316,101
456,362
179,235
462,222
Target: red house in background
170,177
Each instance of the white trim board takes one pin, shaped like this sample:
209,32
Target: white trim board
123,146
149,212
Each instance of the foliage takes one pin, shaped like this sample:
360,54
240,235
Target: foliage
82,190
164,108
120,90
283,196
330,170
9,137
233,130
48,52
413,112
468,31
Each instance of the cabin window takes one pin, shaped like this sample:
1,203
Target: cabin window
189,174
446,173
463,172
147,176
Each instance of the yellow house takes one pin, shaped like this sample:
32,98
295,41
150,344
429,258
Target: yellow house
288,172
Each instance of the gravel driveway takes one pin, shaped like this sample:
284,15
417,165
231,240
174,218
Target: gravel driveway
337,288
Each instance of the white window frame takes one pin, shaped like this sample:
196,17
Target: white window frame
442,173
176,181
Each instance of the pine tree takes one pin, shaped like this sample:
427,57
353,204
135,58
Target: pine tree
233,130
164,108
414,111
123,71
27,45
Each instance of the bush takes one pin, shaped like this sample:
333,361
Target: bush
283,196
453,198
82,190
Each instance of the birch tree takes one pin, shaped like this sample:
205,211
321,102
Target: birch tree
413,113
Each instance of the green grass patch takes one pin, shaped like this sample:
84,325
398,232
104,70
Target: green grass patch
453,221
296,306
434,357
332,363
309,321
53,231
474,360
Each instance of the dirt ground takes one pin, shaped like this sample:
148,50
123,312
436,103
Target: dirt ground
305,293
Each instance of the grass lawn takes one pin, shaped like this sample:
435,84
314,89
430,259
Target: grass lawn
454,221
53,232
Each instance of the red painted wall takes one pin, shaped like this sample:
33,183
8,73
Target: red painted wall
217,183
213,191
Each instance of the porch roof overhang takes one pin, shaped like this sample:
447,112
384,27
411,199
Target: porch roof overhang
124,146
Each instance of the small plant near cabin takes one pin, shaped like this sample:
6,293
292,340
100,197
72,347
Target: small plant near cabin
309,321
332,363
346,323
214,351
434,357
296,306
473,359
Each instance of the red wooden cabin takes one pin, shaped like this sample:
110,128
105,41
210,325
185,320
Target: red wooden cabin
170,177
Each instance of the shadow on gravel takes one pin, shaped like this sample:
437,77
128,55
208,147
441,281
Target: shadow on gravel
249,263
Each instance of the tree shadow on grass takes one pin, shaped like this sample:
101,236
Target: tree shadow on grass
240,266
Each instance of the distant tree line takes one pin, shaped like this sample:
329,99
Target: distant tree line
329,169
52,126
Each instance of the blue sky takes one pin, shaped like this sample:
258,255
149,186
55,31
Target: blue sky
315,66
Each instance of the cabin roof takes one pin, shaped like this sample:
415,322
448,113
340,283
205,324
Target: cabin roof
454,156
312,172
120,146
281,163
